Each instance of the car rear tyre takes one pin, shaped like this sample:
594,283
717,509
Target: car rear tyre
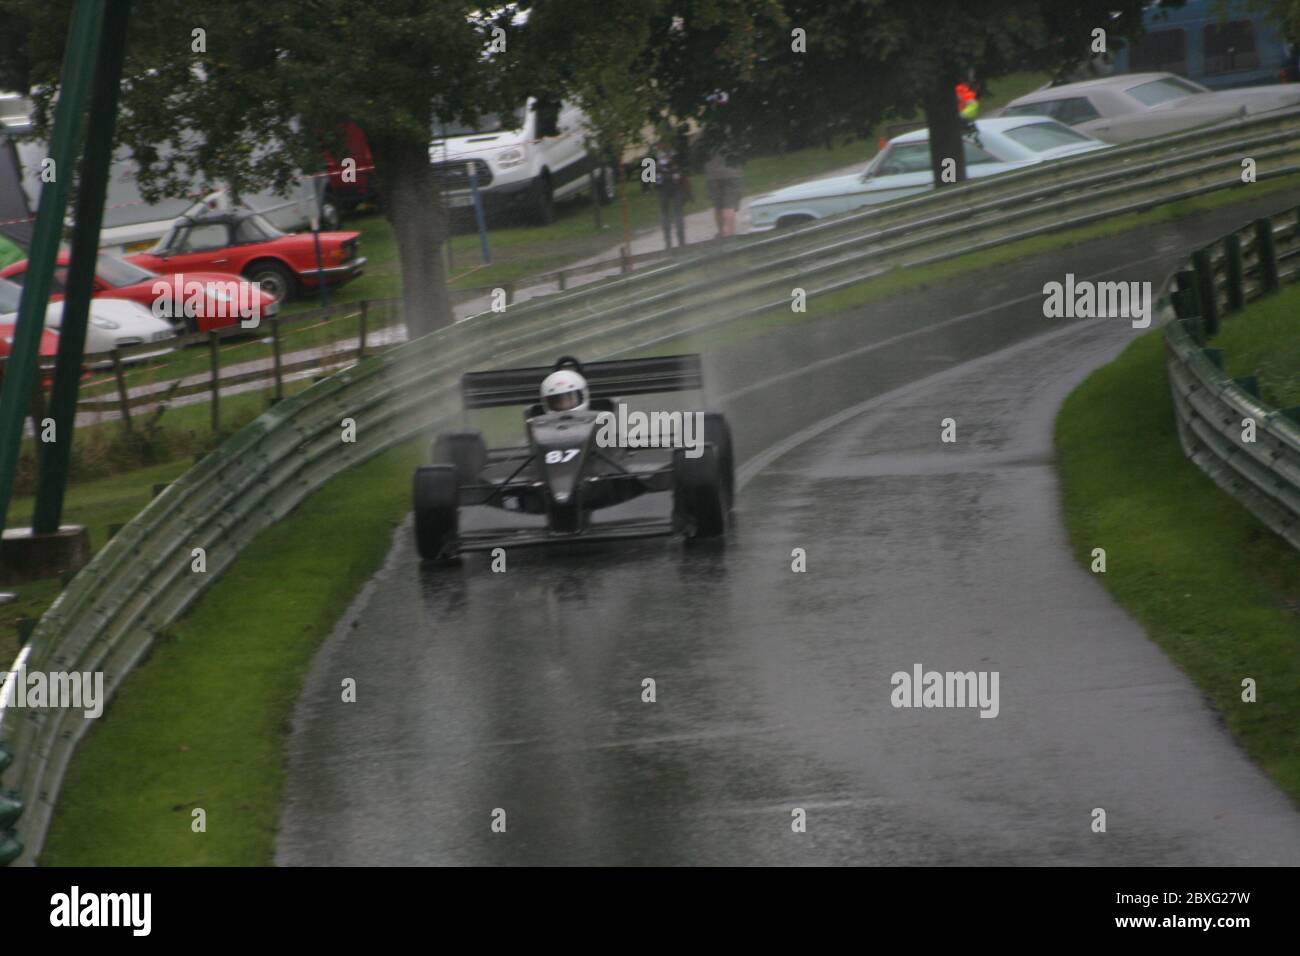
436,501
273,279
466,452
699,495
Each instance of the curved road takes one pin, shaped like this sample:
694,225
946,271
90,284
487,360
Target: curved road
522,691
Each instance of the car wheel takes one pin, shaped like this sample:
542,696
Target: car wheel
543,201
466,452
718,434
791,222
699,494
272,278
329,216
436,499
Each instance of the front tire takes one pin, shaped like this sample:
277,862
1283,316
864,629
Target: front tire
699,496
466,452
272,278
436,500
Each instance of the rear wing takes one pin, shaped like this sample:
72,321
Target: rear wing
641,376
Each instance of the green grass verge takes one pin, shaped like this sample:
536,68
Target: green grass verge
1214,588
1264,340
201,723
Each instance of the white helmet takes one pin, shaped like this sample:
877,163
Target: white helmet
564,391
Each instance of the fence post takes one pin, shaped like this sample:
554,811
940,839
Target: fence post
361,338
123,399
214,355
275,353
1206,293
1232,265
1267,255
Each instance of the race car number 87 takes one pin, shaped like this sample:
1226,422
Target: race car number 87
558,457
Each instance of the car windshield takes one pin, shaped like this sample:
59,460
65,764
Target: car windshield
9,296
487,123
1162,91
1044,137
119,273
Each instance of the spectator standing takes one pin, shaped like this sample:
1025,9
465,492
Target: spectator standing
723,174
674,190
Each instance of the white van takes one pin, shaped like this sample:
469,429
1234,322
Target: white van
524,161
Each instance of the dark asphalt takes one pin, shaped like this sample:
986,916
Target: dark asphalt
522,691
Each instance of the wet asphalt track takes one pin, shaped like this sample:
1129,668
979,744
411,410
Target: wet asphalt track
522,690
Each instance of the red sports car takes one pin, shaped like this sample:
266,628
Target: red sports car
49,348
198,301
245,244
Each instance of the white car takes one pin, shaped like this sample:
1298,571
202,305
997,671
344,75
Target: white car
523,161
902,168
1130,106
113,324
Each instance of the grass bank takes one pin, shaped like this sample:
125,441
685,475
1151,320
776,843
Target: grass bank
201,723
1214,588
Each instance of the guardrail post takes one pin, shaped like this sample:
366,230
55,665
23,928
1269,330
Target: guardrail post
1248,383
123,397
275,355
1206,294
1267,254
11,808
1183,297
361,330
563,277
214,354
1232,264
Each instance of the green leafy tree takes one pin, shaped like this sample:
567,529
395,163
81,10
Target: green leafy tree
246,94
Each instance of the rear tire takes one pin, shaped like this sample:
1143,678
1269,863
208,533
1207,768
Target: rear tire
699,496
436,501
466,452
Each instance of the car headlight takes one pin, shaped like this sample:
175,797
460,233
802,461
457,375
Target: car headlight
102,323
512,157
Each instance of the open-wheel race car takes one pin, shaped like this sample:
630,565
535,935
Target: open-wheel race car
584,452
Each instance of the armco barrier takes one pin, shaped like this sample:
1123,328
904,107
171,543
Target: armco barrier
141,581
1214,411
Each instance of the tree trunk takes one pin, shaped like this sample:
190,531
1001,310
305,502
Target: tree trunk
413,205
945,129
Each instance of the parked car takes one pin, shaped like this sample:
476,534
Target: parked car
113,323
49,348
903,168
524,160
1120,109
214,299
243,243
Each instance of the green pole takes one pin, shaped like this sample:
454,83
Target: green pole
96,160
78,64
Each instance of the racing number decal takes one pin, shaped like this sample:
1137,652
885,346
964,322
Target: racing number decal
558,457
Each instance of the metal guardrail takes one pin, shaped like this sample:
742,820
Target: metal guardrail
1213,410
141,581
